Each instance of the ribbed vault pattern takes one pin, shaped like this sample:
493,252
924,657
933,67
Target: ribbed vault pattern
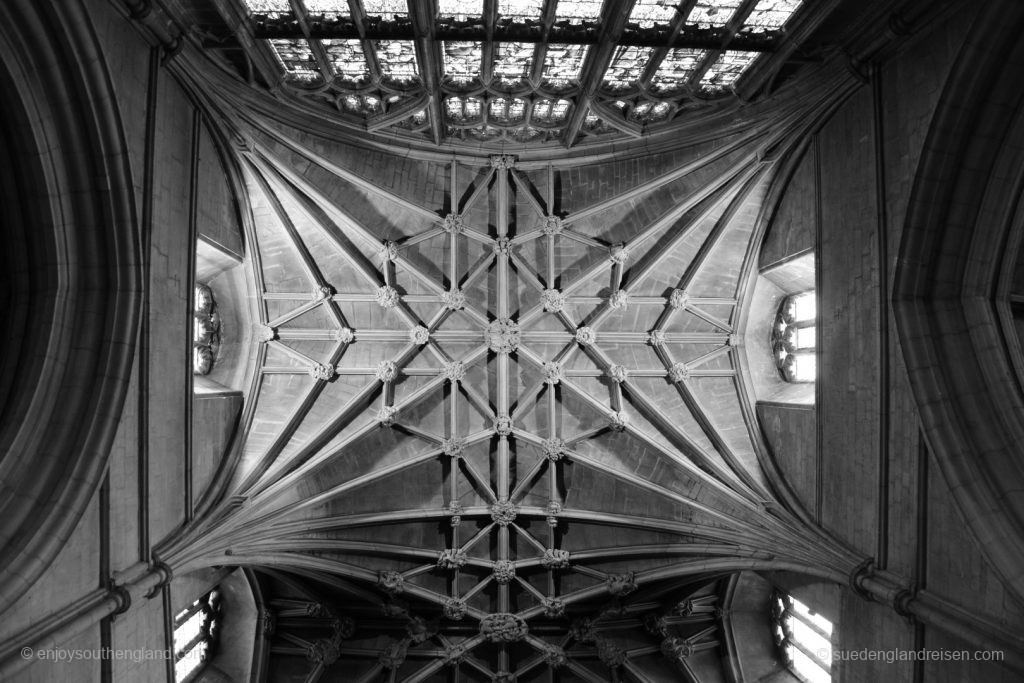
495,415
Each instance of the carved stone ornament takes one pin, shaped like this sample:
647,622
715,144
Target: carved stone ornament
389,251
454,223
265,333
676,648
503,512
555,559
583,630
678,299
323,293
453,654
553,509
619,299
503,425
656,338
455,609
656,624
317,610
502,246
618,254
393,655
621,584
733,340
610,654
554,449
268,624
552,225
395,609
552,372
321,371
502,627
503,571
387,415
455,510
618,373
343,627
554,656
553,608
454,371
585,336
453,448
452,558
387,296
323,651
502,336
679,372
503,161
386,371
391,583
420,630
503,677
553,300
345,335
619,421
454,299
419,335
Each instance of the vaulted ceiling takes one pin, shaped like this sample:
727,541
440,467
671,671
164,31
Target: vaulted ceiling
494,397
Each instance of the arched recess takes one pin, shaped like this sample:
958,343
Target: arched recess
74,277
963,208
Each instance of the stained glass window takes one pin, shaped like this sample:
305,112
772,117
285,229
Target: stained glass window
397,59
347,59
513,61
460,9
462,60
386,9
562,63
272,7
195,636
578,11
794,342
769,15
712,12
462,109
726,69
327,7
550,111
804,637
677,67
647,13
627,66
506,109
297,59
364,105
650,111
520,10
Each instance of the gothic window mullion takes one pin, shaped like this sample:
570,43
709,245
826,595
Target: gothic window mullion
732,28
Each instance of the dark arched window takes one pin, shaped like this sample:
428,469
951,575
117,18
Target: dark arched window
794,338
195,636
803,637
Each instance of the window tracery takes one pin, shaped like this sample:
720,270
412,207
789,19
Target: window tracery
205,330
196,631
804,638
794,338
516,75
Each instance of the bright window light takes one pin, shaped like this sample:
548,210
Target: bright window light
805,367
816,619
806,307
804,639
805,337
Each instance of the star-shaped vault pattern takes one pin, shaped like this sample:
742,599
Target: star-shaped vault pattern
492,435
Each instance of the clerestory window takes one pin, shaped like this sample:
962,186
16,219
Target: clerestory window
794,338
803,637
205,331
195,636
